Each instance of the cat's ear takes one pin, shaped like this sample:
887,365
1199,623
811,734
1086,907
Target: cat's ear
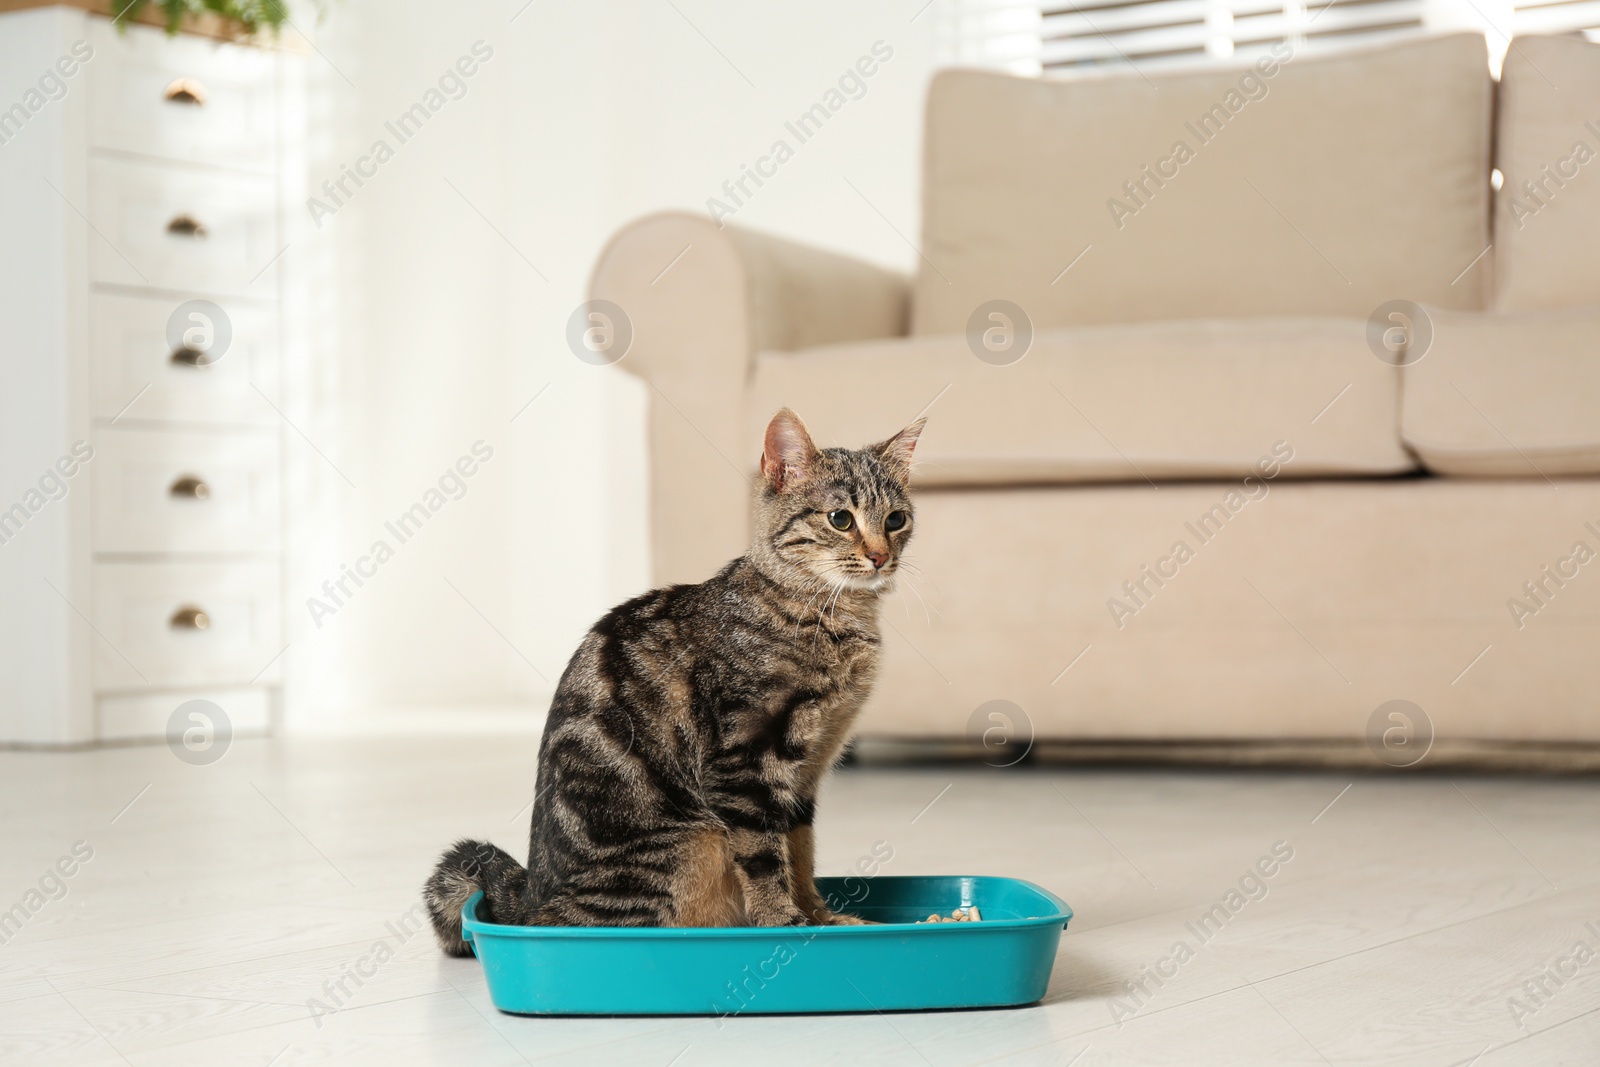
896,451
787,452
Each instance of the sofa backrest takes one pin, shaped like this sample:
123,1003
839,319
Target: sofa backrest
1547,218
1296,186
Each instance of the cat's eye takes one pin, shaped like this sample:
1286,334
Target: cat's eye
895,520
841,519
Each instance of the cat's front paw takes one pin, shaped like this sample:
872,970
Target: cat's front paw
829,918
782,917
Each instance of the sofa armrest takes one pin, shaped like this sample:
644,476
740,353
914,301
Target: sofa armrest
702,301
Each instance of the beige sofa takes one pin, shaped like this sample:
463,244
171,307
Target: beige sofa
1219,498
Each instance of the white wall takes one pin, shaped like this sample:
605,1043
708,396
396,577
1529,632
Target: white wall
425,324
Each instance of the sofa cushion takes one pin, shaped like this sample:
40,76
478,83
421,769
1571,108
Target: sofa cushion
1308,187
1547,219
1507,394
1105,403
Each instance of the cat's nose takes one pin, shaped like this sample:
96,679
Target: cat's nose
878,559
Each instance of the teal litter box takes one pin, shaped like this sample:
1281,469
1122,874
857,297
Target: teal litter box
1002,960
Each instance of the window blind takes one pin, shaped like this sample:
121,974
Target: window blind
1557,16
1081,35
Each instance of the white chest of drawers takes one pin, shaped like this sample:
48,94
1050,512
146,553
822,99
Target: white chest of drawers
140,463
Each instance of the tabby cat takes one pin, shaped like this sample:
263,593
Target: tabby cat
688,736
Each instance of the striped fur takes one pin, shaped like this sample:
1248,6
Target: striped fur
690,732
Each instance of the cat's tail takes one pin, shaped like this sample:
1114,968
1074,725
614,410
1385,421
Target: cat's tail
464,869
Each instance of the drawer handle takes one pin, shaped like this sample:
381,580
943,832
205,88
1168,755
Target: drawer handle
191,487
186,226
189,618
185,91
191,357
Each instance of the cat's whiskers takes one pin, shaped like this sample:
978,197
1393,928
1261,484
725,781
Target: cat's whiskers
822,587
816,633
912,578
912,589
913,569
796,581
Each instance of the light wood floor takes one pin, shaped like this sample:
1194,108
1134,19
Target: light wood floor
220,899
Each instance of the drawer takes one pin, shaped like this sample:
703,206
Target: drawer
164,226
186,491
182,98
145,716
132,356
147,623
